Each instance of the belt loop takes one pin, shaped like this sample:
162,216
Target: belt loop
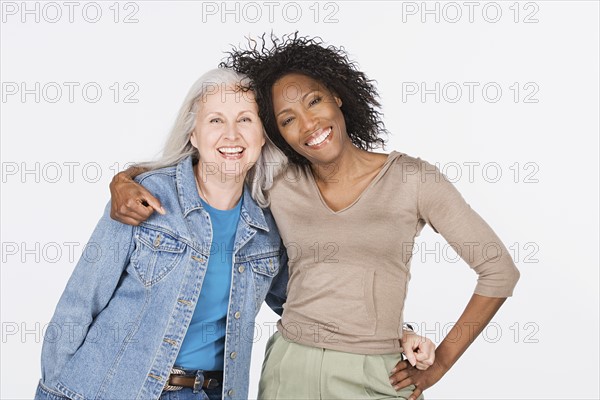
199,381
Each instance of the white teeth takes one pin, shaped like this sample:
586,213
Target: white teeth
231,150
319,139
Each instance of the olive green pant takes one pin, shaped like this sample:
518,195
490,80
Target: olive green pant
298,372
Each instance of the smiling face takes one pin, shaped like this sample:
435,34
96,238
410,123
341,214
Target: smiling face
309,118
228,133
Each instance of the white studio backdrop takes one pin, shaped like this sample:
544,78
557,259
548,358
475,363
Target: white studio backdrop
503,96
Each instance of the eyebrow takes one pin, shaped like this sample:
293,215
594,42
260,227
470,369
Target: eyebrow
222,115
301,99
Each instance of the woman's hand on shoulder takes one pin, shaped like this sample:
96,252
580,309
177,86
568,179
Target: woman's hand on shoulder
131,203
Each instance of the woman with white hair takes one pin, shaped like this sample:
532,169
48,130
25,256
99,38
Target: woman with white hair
127,325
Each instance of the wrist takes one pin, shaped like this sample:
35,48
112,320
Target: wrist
443,362
439,367
123,177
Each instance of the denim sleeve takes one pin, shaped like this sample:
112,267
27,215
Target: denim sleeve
88,291
278,291
43,393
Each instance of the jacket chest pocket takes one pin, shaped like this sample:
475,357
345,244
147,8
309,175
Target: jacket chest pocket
264,268
156,254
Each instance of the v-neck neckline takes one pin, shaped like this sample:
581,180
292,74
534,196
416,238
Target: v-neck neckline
382,171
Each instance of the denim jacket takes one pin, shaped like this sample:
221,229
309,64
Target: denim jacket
120,322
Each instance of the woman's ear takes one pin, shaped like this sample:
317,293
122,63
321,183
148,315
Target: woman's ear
194,139
338,100
264,137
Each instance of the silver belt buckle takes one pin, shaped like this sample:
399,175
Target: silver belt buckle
170,388
198,383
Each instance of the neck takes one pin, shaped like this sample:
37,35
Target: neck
348,165
219,191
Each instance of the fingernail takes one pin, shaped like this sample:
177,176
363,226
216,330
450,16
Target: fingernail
162,210
393,371
392,382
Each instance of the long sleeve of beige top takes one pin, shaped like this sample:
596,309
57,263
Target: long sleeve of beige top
349,270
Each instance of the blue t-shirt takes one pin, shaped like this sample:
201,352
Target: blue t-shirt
204,341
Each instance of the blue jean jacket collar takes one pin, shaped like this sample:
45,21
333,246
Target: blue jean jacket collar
190,200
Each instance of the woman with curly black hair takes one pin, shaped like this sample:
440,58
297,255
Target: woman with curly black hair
335,72
349,217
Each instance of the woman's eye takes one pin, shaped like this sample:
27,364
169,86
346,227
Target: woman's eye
286,121
215,120
245,119
314,101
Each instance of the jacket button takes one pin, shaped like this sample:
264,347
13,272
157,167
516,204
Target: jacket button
231,392
241,268
237,315
233,355
157,241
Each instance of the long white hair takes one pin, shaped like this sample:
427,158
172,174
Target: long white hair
178,146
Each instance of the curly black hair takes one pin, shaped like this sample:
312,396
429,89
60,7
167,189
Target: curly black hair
270,60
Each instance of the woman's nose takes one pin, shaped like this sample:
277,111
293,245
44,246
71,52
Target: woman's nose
231,131
308,122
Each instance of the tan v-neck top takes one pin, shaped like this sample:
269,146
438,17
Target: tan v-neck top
349,270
